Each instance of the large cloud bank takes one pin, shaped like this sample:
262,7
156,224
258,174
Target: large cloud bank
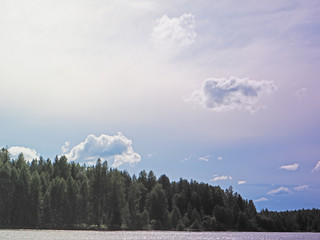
117,148
222,94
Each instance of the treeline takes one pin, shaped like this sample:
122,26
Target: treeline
290,221
63,195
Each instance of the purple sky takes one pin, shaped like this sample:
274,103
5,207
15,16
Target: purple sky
224,92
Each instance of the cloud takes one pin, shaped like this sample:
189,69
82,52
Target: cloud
220,178
190,157
280,190
28,153
184,160
174,32
117,148
242,182
301,93
292,167
65,147
205,159
317,167
219,158
150,155
301,188
222,94
263,199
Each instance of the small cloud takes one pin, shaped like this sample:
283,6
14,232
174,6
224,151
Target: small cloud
219,158
117,148
205,159
263,199
191,156
221,178
184,160
174,32
280,190
301,188
242,182
317,167
28,153
301,93
222,94
150,155
65,147
292,167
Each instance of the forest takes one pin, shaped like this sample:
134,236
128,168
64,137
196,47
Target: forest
63,195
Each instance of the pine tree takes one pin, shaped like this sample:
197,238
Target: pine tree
157,207
6,188
118,209
35,191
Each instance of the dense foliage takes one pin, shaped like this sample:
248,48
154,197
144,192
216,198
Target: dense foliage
42,194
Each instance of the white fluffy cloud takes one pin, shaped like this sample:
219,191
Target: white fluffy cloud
220,158
263,199
28,153
242,182
301,188
222,94
174,32
317,167
221,178
117,148
292,167
280,190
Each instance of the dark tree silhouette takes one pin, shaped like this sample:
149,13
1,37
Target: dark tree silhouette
69,196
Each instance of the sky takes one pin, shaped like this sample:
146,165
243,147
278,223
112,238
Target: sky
221,92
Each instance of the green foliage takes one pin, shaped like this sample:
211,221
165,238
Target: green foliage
35,198
224,217
97,198
21,193
175,217
143,220
301,220
72,198
196,225
61,168
118,211
83,201
66,195
134,197
58,201
180,226
208,223
157,206
6,192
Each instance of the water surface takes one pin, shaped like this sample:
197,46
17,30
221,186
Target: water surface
149,235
